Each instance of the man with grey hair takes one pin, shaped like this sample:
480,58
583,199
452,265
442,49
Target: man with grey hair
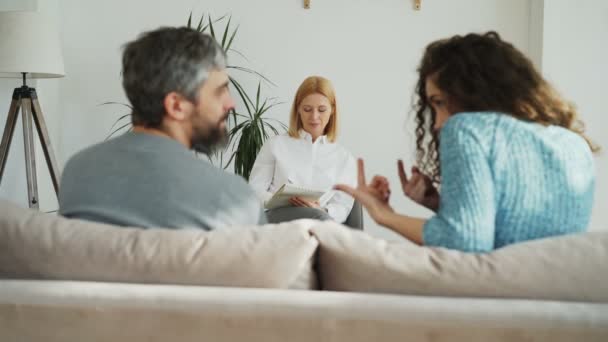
176,81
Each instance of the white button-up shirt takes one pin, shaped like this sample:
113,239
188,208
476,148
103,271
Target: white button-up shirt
319,166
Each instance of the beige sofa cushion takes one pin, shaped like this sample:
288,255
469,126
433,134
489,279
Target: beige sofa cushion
43,246
571,268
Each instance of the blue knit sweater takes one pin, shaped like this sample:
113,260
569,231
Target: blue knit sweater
505,180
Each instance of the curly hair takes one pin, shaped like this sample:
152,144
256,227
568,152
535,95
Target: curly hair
483,73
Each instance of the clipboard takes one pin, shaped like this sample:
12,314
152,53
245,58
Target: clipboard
286,191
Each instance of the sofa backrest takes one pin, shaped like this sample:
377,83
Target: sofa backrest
43,246
571,267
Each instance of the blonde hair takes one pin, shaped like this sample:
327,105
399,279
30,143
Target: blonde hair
314,85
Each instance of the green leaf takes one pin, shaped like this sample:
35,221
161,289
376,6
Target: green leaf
124,116
240,53
240,115
226,30
199,27
245,97
117,103
231,39
262,110
246,100
211,28
263,128
120,119
221,18
245,156
277,121
257,98
274,130
118,130
247,70
230,160
238,127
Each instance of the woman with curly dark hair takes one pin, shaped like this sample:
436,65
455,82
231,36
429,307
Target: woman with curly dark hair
502,158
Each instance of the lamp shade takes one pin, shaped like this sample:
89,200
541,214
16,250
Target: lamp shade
29,43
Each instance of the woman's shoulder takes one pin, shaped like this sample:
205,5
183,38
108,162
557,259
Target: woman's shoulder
477,126
472,120
494,131
484,126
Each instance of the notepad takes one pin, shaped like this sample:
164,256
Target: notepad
281,197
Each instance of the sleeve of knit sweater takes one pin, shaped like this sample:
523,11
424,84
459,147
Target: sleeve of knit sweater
466,216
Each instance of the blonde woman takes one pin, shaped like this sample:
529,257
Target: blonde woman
307,156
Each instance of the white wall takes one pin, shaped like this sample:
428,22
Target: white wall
49,99
575,60
535,32
369,49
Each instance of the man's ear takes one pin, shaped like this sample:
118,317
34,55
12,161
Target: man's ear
177,106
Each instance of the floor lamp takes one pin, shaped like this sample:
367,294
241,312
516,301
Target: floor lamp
29,49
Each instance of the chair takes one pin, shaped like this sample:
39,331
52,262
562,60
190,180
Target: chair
355,218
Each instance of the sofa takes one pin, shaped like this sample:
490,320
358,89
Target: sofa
71,280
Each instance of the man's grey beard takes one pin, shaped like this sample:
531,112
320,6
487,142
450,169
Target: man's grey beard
215,140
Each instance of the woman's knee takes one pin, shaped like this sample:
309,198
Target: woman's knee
296,213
